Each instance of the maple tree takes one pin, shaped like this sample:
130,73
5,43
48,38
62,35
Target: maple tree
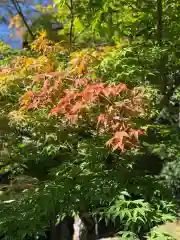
86,95
74,97
73,119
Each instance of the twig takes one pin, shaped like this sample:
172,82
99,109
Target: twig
71,26
19,11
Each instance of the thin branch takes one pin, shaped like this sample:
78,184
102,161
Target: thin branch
68,6
159,22
75,37
19,11
71,26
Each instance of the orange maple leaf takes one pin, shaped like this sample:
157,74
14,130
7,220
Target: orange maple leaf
28,185
81,68
118,141
101,118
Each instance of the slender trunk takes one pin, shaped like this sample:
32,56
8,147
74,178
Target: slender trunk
163,59
159,40
71,26
19,11
85,228
167,93
159,37
159,21
110,26
62,230
53,232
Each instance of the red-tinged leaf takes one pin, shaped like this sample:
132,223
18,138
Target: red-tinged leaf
72,118
57,84
107,91
30,93
97,88
115,144
78,97
88,94
54,111
121,88
142,132
68,107
119,146
76,108
121,135
28,185
101,118
135,134
115,147
118,141
81,82
109,142
114,92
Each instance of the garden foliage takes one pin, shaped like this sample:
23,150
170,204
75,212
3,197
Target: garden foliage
93,127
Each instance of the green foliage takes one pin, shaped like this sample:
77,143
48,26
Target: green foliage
58,169
169,230
155,235
44,22
4,47
6,54
128,235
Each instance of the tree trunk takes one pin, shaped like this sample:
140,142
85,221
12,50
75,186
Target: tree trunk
63,230
85,228
19,11
159,21
164,57
71,26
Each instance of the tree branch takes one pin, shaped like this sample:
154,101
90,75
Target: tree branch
71,26
159,22
19,11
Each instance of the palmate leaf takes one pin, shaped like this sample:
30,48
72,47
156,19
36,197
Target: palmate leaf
140,214
128,235
157,235
135,214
